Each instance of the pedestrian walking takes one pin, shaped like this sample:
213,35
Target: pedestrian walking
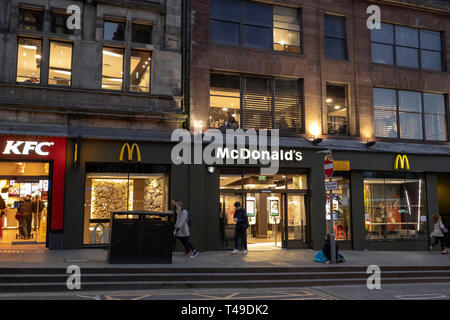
438,233
181,230
26,211
240,231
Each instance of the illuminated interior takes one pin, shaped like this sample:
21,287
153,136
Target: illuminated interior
112,71
60,63
29,55
140,71
225,102
286,29
337,109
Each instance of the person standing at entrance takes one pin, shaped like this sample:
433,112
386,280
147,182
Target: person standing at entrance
26,210
182,228
240,231
2,213
438,233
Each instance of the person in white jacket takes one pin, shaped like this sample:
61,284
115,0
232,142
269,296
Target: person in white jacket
438,233
181,230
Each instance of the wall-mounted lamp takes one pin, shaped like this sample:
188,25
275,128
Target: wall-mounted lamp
211,169
369,144
316,140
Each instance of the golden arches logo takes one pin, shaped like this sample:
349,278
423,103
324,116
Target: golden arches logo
401,162
130,152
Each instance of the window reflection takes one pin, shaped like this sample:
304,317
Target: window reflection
286,29
31,20
29,60
113,30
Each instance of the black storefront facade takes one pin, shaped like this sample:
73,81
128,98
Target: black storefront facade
380,205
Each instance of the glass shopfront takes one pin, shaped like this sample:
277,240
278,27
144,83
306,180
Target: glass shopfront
341,208
276,207
106,192
395,206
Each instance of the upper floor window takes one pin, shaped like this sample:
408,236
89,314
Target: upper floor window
141,33
29,56
31,20
255,25
140,71
337,109
112,70
60,66
335,38
59,24
252,102
407,47
114,30
409,115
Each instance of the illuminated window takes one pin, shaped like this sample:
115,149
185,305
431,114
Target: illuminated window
112,71
29,60
337,109
140,71
31,20
286,29
60,66
225,101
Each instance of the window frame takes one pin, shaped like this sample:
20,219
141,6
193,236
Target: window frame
347,106
31,9
241,25
335,37
17,61
124,61
115,20
419,48
71,62
150,52
422,114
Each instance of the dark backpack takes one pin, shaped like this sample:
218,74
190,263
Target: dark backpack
189,219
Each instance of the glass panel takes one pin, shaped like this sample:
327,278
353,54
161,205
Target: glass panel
296,217
112,69
29,60
335,26
406,36
286,40
335,49
226,222
256,13
337,109
256,37
430,40
411,126
225,32
231,181
435,127
229,10
385,123
384,98
410,101
106,193
431,60
140,66
59,24
341,209
434,103
297,182
114,31
382,53
375,211
60,71
384,35
407,57
225,101
31,20
264,182
142,33
286,18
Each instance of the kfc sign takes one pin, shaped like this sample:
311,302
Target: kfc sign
25,147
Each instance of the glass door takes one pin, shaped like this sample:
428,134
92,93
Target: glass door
295,233
226,222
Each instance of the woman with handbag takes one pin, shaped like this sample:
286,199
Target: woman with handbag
438,233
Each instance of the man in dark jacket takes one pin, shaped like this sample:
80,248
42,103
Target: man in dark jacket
240,232
26,210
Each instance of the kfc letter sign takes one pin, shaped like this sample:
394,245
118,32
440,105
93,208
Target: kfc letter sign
24,147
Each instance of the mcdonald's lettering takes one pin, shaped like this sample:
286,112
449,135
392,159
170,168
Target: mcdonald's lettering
130,152
401,162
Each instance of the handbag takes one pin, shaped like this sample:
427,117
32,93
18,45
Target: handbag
18,216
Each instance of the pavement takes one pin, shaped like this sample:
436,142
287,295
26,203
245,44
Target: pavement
97,258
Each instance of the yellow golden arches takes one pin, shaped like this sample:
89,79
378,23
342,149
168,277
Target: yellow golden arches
401,162
130,152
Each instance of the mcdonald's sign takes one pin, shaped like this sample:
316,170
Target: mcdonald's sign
130,151
401,162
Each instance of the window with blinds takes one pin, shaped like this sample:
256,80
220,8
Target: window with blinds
265,103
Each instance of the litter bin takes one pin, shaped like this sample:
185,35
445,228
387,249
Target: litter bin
141,237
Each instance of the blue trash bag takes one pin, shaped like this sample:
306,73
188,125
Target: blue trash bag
322,258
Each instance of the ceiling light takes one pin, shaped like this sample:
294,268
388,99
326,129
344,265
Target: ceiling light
112,54
30,47
337,107
329,100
